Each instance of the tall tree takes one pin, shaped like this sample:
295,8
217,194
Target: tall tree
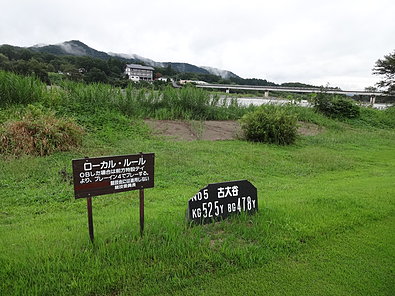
386,68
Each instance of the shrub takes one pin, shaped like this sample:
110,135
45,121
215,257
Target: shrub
271,124
337,107
39,132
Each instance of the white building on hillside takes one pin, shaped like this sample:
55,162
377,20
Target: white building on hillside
137,72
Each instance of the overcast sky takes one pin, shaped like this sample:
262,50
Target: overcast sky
310,41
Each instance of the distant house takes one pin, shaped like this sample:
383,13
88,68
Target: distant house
137,72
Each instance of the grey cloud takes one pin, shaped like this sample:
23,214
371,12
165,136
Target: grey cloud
307,41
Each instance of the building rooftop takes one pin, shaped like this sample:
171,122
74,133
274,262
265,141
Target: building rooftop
137,66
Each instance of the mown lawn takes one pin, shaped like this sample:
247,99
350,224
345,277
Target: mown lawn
357,262
325,224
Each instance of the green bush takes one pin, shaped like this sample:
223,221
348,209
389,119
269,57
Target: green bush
39,132
270,124
336,106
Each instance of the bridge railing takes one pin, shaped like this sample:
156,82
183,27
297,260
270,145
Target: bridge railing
291,89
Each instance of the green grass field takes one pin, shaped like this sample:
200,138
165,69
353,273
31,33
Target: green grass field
325,224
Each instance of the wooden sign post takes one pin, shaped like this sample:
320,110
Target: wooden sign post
141,212
90,218
113,174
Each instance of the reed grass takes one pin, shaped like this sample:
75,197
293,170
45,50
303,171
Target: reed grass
188,103
16,89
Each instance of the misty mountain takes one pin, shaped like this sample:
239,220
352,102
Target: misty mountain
186,68
73,47
138,58
78,48
223,73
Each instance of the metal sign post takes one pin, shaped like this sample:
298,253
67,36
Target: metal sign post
113,174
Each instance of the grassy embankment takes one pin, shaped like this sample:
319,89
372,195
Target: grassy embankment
325,225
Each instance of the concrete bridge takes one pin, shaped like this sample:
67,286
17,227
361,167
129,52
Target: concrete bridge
266,90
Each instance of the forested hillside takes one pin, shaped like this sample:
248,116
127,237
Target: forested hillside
74,60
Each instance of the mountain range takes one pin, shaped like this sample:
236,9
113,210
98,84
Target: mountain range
78,48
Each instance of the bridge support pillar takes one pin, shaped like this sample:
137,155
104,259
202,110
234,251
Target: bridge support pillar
372,100
266,95
227,90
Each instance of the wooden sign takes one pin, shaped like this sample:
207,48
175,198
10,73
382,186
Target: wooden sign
113,174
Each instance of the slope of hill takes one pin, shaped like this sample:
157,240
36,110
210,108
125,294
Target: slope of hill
73,47
186,68
223,73
73,54
179,67
138,58
78,48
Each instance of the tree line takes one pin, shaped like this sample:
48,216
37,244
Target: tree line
48,67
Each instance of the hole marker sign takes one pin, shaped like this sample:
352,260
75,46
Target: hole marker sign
219,200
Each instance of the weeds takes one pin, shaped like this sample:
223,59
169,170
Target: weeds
39,132
98,105
188,103
16,89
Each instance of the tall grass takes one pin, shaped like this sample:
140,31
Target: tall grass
189,103
370,117
89,97
186,103
16,89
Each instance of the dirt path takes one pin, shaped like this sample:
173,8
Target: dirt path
211,130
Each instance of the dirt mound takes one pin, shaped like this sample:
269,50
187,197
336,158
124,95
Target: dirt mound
211,130
196,130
